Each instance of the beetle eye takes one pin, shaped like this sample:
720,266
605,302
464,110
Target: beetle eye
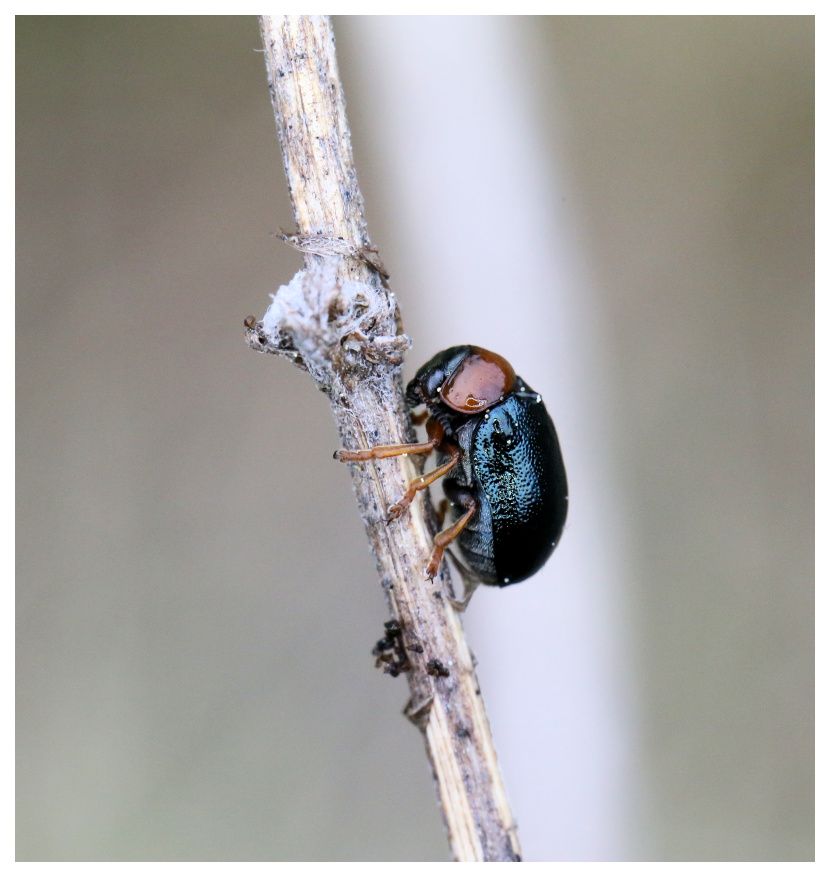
482,379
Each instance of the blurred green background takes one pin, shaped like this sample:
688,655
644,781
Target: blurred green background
195,601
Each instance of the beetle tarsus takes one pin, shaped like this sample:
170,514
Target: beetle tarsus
396,510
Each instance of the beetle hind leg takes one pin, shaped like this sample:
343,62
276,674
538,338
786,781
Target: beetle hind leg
471,584
445,537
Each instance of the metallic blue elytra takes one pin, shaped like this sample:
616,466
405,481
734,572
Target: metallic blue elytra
509,477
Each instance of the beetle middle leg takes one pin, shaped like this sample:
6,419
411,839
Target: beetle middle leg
453,452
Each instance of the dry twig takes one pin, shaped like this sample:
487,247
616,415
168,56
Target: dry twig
338,320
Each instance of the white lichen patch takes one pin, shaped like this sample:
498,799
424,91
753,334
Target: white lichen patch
318,320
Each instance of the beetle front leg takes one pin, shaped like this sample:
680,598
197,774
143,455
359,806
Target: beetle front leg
445,537
381,451
434,430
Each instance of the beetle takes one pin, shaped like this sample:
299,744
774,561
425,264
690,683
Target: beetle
498,451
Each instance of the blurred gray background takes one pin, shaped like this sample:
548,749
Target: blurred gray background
621,206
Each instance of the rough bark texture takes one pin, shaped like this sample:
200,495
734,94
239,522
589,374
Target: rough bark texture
339,321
